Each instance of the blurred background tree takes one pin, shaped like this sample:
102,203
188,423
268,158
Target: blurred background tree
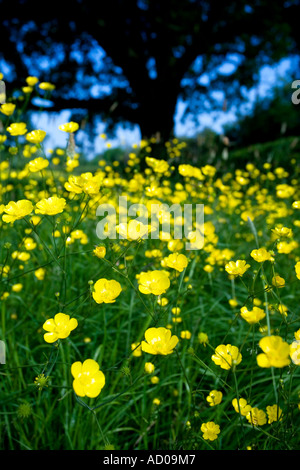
272,118
132,60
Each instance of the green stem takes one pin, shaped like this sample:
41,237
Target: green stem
43,243
238,400
184,372
263,279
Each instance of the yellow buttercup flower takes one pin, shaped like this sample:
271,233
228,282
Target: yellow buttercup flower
106,291
175,245
278,281
55,161
17,210
17,287
59,327
275,352
20,255
153,282
297,269
226,356
69,127
38,164
233,303
149,367
252,316
51,206
136,349
159,166
176,310
284,191
282,309
79,235
256,417
163,301
46,86
27,89
71,163
29,243
260,255
274,413
237,268
176,319
35,219
176,261
85,183
40,274
295,352
210,431
208,268
297,335
159,341
241,406
36,136
190,171
286,247
100,251
31,81
7,108
17,128
154,380
214,398
74,184
133,230
282,232
89,380
185,334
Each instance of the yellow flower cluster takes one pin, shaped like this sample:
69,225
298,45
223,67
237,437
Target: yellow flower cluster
227,304
256,416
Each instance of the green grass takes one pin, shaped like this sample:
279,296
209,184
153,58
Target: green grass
124,415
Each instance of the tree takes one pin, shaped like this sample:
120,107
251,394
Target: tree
271,118
132,60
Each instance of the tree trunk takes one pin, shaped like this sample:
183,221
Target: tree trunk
156,111
157,120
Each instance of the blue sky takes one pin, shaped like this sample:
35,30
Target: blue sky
269,77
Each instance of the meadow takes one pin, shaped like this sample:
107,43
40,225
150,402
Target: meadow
135,342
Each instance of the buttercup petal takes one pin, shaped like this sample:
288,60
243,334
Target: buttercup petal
90,367
49,325
50,337
76,369
79,389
